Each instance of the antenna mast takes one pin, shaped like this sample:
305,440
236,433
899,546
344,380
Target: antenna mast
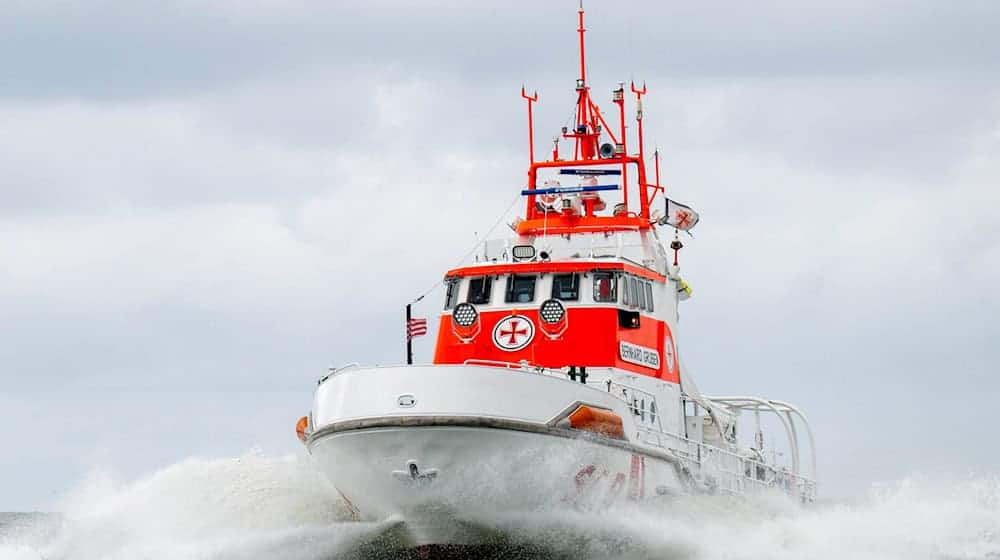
586,130
583,63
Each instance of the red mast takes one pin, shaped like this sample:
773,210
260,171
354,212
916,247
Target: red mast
588,127
585,130
531,125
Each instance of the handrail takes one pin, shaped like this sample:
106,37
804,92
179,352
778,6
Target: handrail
524,365
807,485
335,370
789,409
772,405
631,405
792,409
639,251
789,430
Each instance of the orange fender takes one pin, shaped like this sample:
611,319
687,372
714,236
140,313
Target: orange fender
300,428
597,420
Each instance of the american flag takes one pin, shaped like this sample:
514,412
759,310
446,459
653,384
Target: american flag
415,328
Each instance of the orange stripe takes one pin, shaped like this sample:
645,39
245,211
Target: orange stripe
559,224
591,339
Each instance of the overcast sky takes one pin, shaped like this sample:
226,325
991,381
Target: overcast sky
204,205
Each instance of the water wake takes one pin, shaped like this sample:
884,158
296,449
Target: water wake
256,506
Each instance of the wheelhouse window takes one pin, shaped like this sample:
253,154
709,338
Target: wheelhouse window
520,289
566,287
642,294
604,287
633,291
479,290
649,296
451,292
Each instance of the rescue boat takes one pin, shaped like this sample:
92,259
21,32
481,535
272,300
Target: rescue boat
557,380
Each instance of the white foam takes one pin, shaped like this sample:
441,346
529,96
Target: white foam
195,509
256,506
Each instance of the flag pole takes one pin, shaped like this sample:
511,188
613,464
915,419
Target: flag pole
409,339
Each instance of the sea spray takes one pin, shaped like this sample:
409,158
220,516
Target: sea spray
193,509
255,506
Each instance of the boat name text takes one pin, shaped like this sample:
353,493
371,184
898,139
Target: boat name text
639,355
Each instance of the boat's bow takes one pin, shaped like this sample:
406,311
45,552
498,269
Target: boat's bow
430,441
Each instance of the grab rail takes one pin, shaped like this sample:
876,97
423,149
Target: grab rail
741,471
523,365
335,370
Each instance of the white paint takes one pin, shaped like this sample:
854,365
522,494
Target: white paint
454,390
668,352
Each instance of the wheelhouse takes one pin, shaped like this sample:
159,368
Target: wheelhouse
559,314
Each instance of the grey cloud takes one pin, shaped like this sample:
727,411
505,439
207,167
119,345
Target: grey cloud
919,129
286,140
114,50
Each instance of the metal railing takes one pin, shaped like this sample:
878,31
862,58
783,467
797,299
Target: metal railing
648,252
335,370
523,365
729,472
719,469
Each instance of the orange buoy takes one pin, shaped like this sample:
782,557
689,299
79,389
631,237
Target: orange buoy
597,420
300,428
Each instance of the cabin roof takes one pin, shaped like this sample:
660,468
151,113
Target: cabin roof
530,267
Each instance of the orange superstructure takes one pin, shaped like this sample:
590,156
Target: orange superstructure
585,283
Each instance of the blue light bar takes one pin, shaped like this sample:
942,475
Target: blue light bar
590,171
564,190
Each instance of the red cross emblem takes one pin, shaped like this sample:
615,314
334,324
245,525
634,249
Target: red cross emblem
683,219
513,333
